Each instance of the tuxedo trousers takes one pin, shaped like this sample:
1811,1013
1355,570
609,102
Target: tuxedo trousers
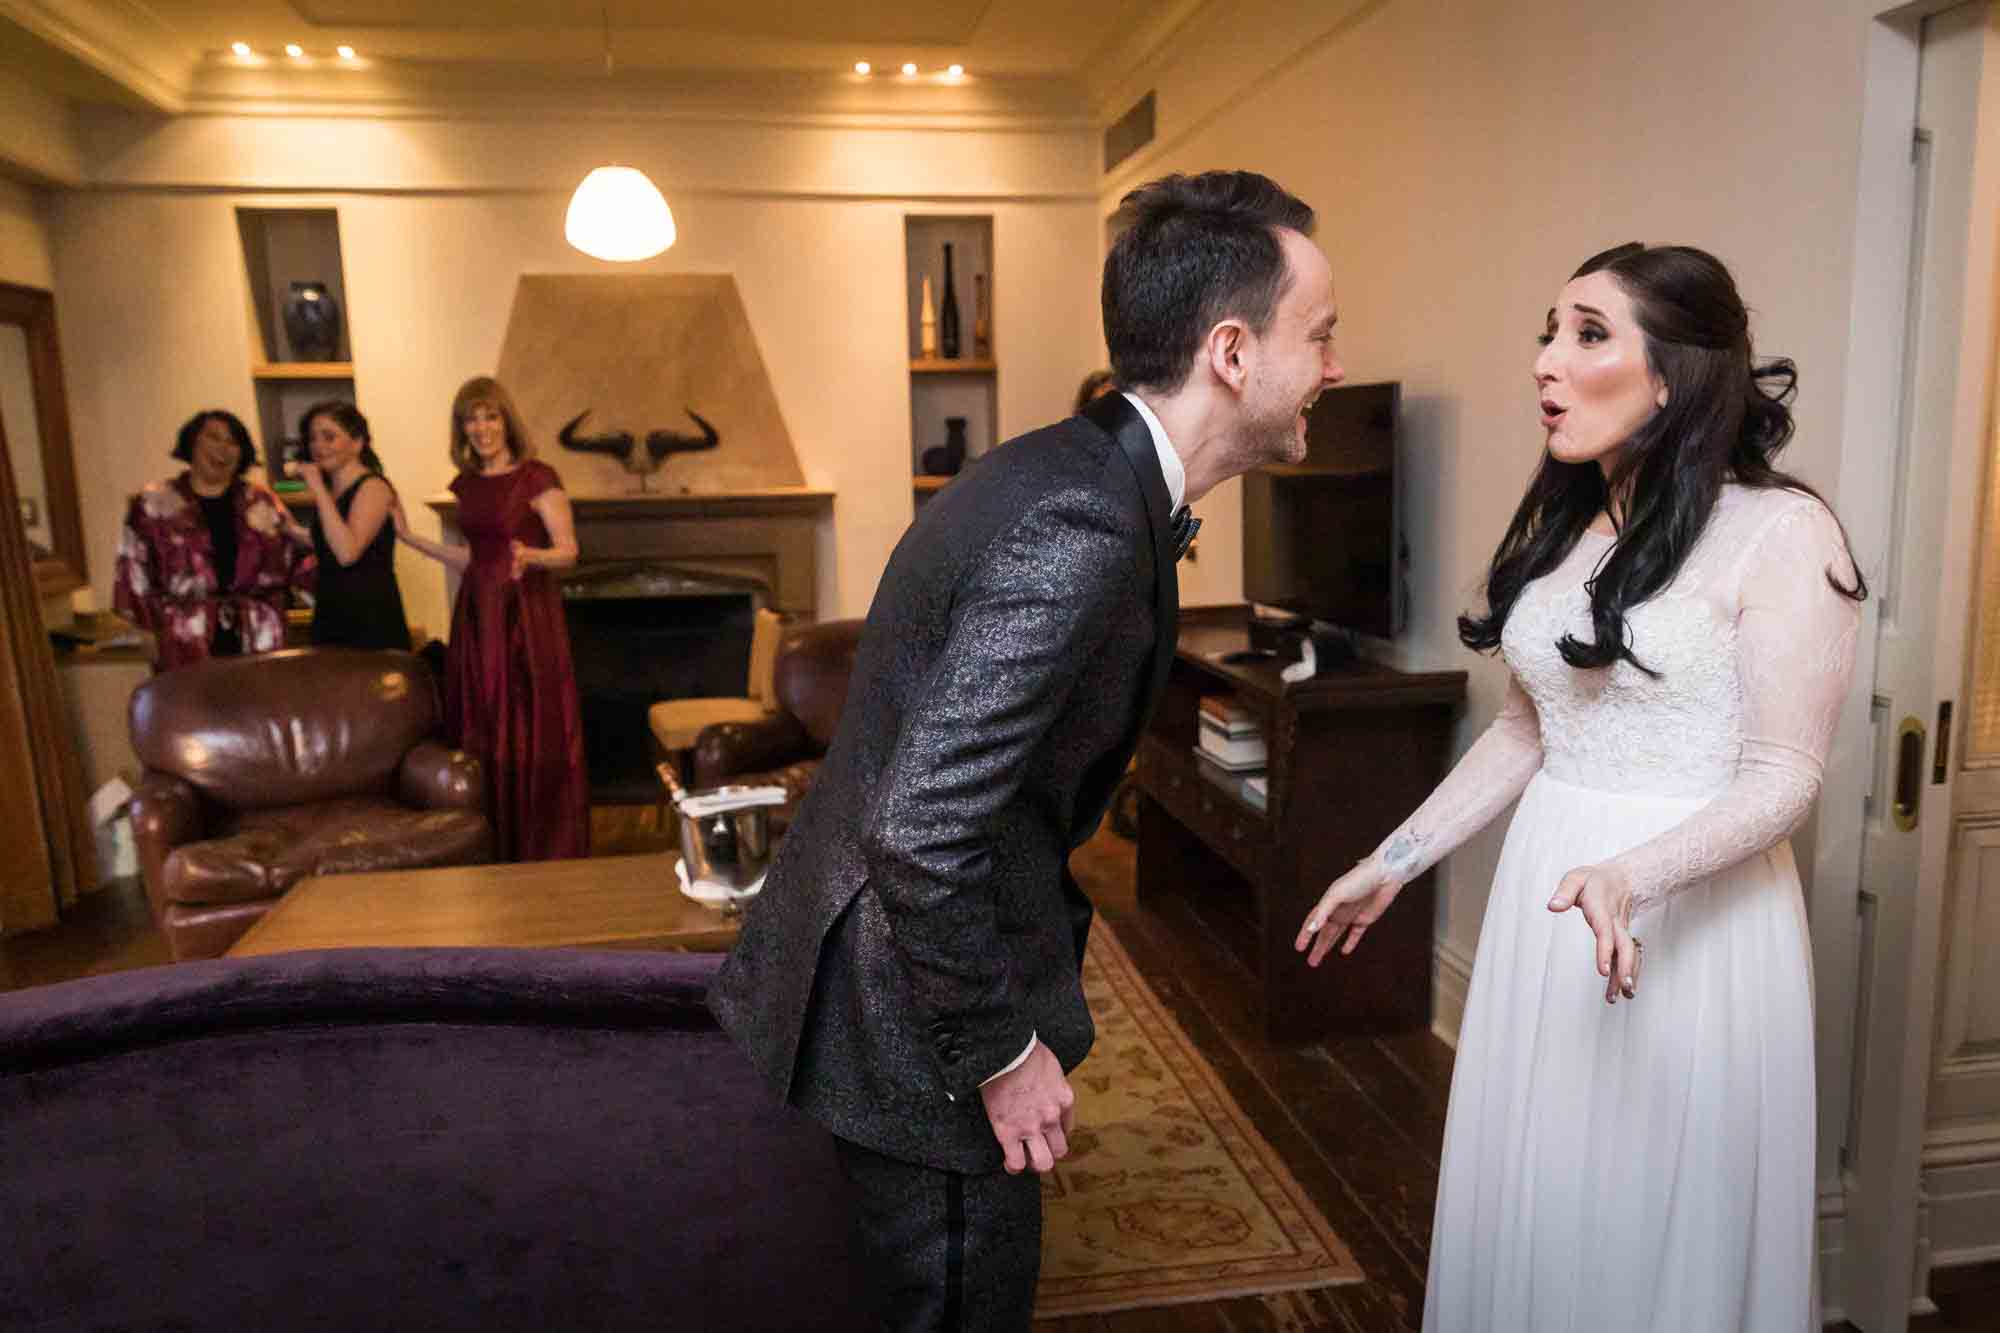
945,1251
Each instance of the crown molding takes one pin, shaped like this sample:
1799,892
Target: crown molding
123,40
399,90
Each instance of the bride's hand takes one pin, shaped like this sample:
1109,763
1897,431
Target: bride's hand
1604,895
1352,903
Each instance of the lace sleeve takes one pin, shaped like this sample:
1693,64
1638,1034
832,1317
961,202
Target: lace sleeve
1795,656
1491,774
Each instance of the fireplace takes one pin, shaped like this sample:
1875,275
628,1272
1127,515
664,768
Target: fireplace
640,632
663,603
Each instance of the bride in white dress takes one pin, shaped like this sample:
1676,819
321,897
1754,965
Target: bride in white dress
1680,621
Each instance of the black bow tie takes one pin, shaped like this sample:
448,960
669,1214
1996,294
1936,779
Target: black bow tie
1186,525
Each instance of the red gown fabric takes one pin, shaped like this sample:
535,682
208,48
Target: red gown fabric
510,689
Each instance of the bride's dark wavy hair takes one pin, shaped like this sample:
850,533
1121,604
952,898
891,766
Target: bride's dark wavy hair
1726,418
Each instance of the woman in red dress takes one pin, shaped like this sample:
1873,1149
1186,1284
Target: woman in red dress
509,689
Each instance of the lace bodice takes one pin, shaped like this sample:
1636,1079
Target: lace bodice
1753,651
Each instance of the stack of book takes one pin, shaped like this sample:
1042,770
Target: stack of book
1231,748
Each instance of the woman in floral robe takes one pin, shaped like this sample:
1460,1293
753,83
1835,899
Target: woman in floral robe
205,561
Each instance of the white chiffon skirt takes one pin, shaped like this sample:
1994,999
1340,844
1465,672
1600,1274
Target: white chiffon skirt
1644,1166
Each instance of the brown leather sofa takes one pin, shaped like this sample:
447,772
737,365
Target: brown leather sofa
261,771
784,748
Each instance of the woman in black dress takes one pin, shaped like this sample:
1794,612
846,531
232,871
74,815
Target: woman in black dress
358,603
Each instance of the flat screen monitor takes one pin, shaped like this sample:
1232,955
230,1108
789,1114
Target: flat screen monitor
1319,537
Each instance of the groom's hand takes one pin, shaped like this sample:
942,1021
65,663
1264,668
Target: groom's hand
1030,1111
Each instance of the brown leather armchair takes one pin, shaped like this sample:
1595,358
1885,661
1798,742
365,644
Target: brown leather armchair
263,770
784,748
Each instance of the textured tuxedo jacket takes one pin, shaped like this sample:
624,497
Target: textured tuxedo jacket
919,922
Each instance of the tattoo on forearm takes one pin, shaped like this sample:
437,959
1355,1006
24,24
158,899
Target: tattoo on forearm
1403,853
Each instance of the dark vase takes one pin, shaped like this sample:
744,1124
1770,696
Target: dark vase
312,322
948,312
946,459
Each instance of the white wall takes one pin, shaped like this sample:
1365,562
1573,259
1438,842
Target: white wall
438,219
1464,157
24,238
37,136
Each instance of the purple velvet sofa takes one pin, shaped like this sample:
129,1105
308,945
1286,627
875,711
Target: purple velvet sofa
436,1139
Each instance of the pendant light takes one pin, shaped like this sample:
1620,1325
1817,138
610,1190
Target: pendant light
618,214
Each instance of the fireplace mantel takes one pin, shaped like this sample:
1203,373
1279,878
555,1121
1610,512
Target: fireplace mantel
768,535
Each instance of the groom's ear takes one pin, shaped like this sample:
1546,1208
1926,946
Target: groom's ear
1228,353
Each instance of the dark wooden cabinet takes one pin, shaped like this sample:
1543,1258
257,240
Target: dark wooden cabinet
1351,753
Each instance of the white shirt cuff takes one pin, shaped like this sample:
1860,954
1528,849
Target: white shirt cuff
1015,1063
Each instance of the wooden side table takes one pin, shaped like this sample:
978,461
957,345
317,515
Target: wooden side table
1351,753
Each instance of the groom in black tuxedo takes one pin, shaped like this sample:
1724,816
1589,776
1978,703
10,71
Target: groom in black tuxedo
910,976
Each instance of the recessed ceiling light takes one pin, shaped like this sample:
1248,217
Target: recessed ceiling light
294,50
345,52
863,67
240,48
909,68
955,72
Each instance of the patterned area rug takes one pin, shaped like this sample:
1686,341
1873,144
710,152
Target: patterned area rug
1168,1194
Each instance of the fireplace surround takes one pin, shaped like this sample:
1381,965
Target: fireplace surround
662,602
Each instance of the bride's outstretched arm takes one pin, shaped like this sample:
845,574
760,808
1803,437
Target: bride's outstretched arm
1479,786
1795,657
1491,774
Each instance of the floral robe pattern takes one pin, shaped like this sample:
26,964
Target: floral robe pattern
167,581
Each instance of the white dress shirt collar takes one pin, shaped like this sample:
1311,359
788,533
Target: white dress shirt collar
1170,462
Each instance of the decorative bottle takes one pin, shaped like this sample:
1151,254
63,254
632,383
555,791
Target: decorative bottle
927,341
948,313
982,324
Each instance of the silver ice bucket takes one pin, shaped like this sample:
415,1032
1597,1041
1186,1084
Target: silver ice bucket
725,831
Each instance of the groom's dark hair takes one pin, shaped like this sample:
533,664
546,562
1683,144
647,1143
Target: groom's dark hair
1192,251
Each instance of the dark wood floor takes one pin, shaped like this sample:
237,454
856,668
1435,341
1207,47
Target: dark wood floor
1358,1120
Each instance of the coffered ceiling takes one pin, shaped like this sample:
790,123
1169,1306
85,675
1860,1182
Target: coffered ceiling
177,53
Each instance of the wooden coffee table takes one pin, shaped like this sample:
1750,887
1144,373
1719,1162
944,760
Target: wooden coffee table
608,902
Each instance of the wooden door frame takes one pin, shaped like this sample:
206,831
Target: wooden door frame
46,853
1875,1204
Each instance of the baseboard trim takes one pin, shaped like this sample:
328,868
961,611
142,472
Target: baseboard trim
1451,978
1961,1188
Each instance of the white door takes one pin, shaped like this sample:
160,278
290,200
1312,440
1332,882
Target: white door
1924,522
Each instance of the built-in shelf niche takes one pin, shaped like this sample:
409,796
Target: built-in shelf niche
282,246
967,385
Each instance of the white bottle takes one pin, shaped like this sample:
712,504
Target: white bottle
928,337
